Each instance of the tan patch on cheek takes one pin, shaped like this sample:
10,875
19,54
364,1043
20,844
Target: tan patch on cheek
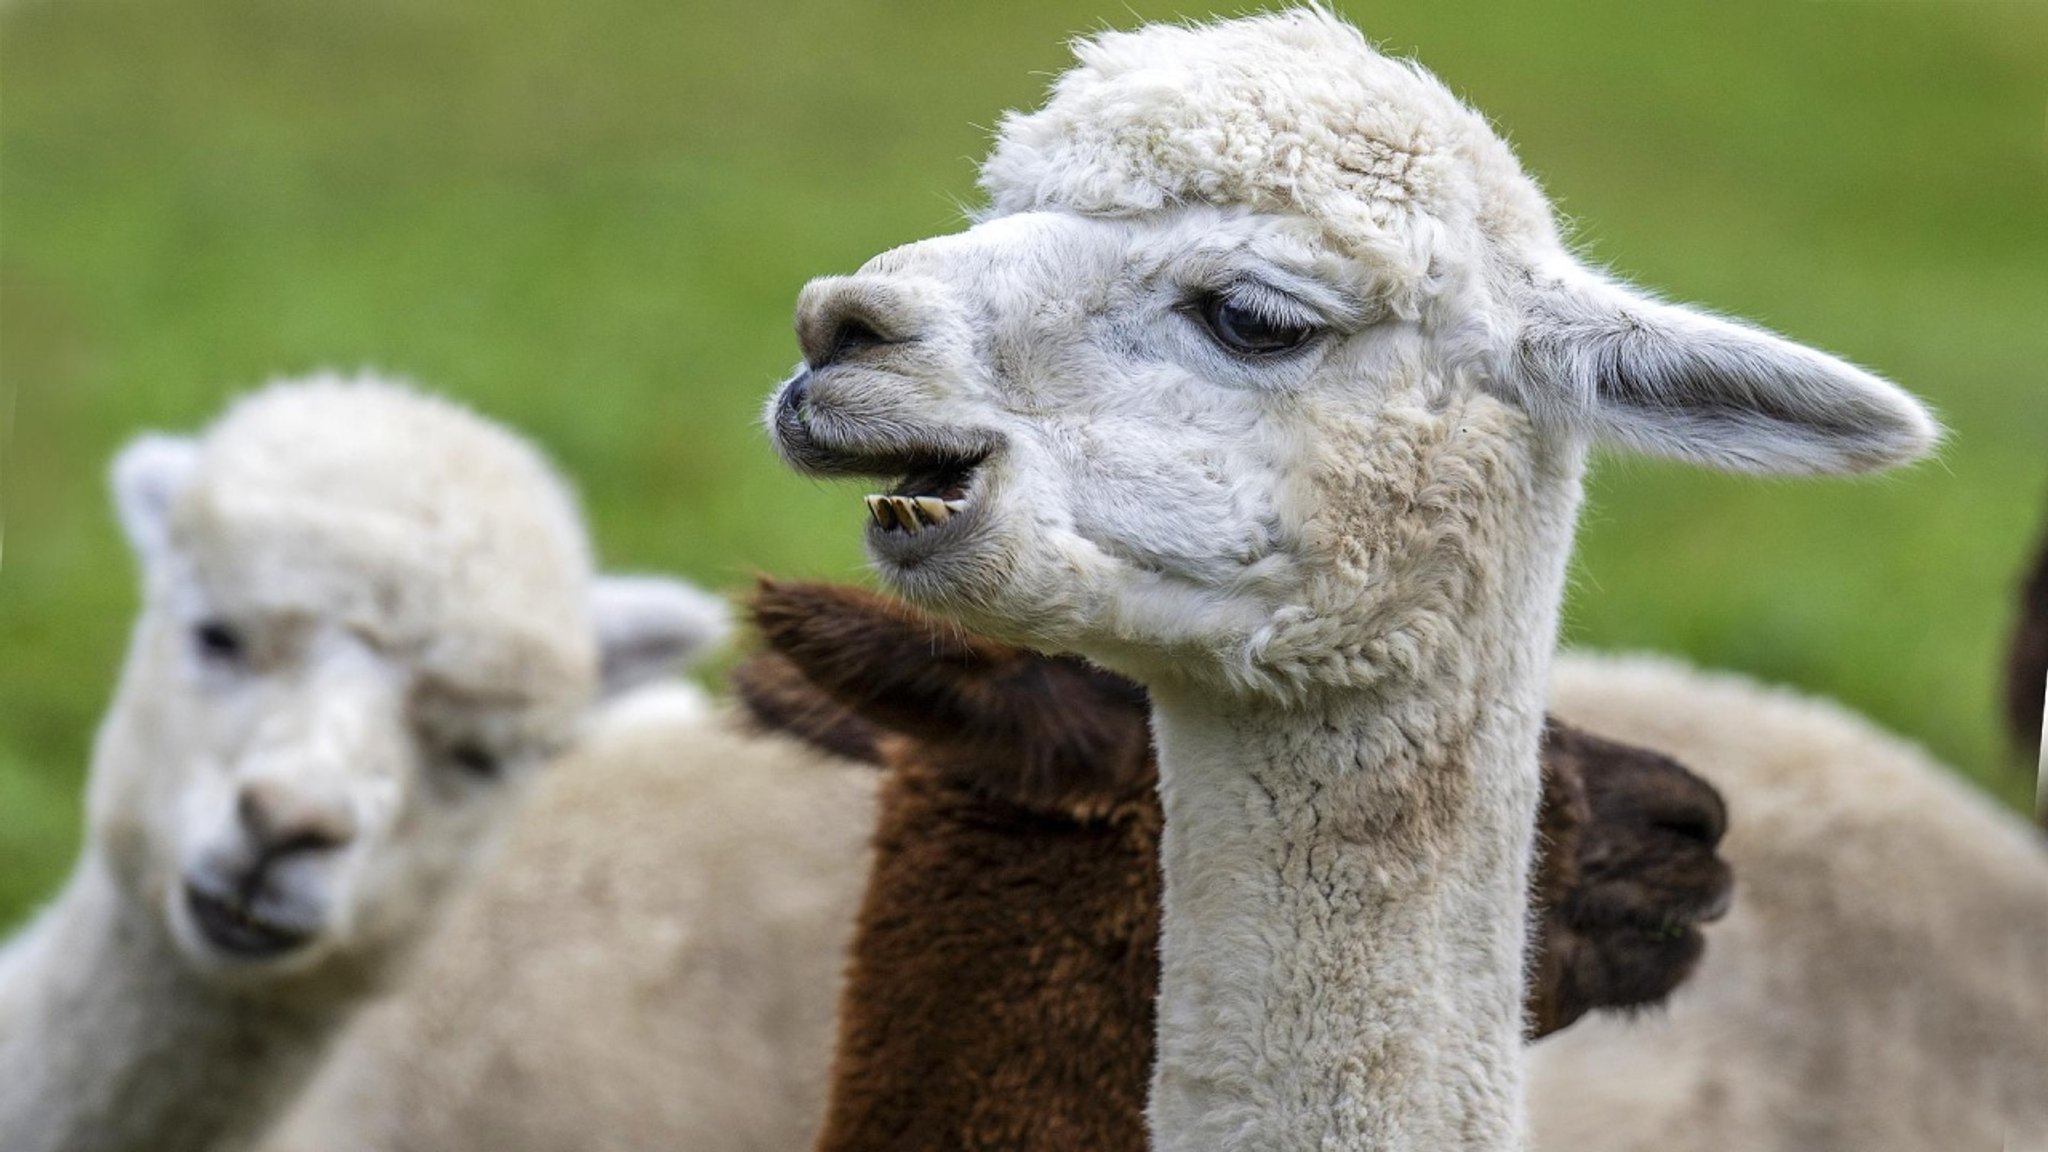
1420,503
1405,524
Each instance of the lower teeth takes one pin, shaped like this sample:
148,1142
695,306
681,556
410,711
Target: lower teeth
912,513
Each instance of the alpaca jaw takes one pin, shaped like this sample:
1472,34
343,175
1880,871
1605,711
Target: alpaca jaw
934,510
825,421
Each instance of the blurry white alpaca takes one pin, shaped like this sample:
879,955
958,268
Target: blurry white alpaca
368,617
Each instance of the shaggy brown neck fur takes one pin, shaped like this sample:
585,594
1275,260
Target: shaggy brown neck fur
1002,982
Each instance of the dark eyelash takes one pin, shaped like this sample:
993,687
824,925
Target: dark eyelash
1244,326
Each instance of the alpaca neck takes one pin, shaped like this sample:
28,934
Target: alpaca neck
1345,897
1343,932
110,1042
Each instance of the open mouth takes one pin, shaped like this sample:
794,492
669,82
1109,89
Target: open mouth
932,492
231,925
936,467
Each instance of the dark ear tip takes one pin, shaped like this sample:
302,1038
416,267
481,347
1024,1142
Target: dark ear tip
784,611
772,598
1566,752
781,598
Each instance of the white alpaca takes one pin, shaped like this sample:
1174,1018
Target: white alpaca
1268,381
368,616
1880,983
656,965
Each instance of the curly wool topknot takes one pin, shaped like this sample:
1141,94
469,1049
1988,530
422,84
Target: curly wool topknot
1286,112
362,497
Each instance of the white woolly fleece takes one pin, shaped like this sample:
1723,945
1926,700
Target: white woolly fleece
1291,112
654,963
303,490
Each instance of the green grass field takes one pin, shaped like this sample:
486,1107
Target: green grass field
591,219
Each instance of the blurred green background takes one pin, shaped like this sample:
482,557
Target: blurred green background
590,219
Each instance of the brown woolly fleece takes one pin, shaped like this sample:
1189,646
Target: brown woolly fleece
1001,983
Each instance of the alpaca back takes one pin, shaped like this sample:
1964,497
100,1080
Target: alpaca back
655,965
1879,984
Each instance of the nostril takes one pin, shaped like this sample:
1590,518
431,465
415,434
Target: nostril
838,317
843,336
796,400
250,809
851,335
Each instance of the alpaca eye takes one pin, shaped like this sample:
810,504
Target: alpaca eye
219,642
474,759
1249,331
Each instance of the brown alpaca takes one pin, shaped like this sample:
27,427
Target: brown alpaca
1001,984
2026,673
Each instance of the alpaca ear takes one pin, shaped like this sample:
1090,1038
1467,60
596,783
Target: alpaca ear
651,627
148,477
1673,381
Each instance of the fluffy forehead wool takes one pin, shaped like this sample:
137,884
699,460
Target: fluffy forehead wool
1285,112
404,512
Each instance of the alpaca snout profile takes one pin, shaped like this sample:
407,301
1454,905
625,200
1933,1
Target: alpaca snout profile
885,356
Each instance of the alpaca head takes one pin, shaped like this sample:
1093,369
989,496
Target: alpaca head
368,614
1266,350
